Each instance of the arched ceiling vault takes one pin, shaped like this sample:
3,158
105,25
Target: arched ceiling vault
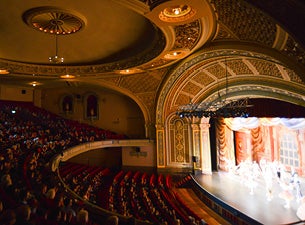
143,49
231,73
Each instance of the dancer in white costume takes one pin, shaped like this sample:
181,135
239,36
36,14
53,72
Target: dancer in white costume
268,177
296,183
287,186
286,194
230,166
252,172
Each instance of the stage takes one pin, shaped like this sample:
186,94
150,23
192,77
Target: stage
227,195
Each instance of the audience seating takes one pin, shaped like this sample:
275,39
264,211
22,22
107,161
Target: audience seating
31,136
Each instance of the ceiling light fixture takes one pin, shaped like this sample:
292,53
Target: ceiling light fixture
4,71
177,11
222,107
177,54
56,59
34,83
67,76
130,71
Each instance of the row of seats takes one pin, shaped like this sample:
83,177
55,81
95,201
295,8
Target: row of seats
133,193
30,137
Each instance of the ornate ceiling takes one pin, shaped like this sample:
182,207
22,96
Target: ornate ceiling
160,53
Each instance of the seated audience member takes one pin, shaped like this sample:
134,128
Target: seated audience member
7,183
8,217
1,207
177,222
23,214
55,217
50,198
69,210
24,197
82,217
202,222
112,220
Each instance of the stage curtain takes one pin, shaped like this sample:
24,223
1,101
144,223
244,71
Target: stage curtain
241,147
257,144
225,146
293,123
239,123
221,143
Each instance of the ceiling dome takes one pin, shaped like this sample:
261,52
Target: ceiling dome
53,20
102,32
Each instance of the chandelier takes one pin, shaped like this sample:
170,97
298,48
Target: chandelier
222,107
56,59
55,21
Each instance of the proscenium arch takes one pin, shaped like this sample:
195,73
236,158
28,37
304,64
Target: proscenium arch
254,88
188,68
274,80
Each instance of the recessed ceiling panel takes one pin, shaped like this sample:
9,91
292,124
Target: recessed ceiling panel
101,31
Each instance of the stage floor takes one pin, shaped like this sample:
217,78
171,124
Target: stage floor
229,189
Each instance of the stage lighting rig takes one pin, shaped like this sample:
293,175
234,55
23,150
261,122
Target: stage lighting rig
222,107
225,108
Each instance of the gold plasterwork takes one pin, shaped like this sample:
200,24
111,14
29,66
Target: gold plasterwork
54,20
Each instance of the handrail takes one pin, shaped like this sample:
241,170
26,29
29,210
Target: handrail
88,146
94,208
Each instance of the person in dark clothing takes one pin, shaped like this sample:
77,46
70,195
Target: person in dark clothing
23,213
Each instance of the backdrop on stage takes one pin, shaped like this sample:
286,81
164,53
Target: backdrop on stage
272,139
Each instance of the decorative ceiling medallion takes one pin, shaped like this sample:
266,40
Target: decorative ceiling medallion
176,54
177,13
54,20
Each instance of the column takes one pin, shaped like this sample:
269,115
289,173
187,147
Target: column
206,164
196,147
160,146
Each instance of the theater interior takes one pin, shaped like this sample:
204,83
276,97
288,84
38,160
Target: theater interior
123,105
